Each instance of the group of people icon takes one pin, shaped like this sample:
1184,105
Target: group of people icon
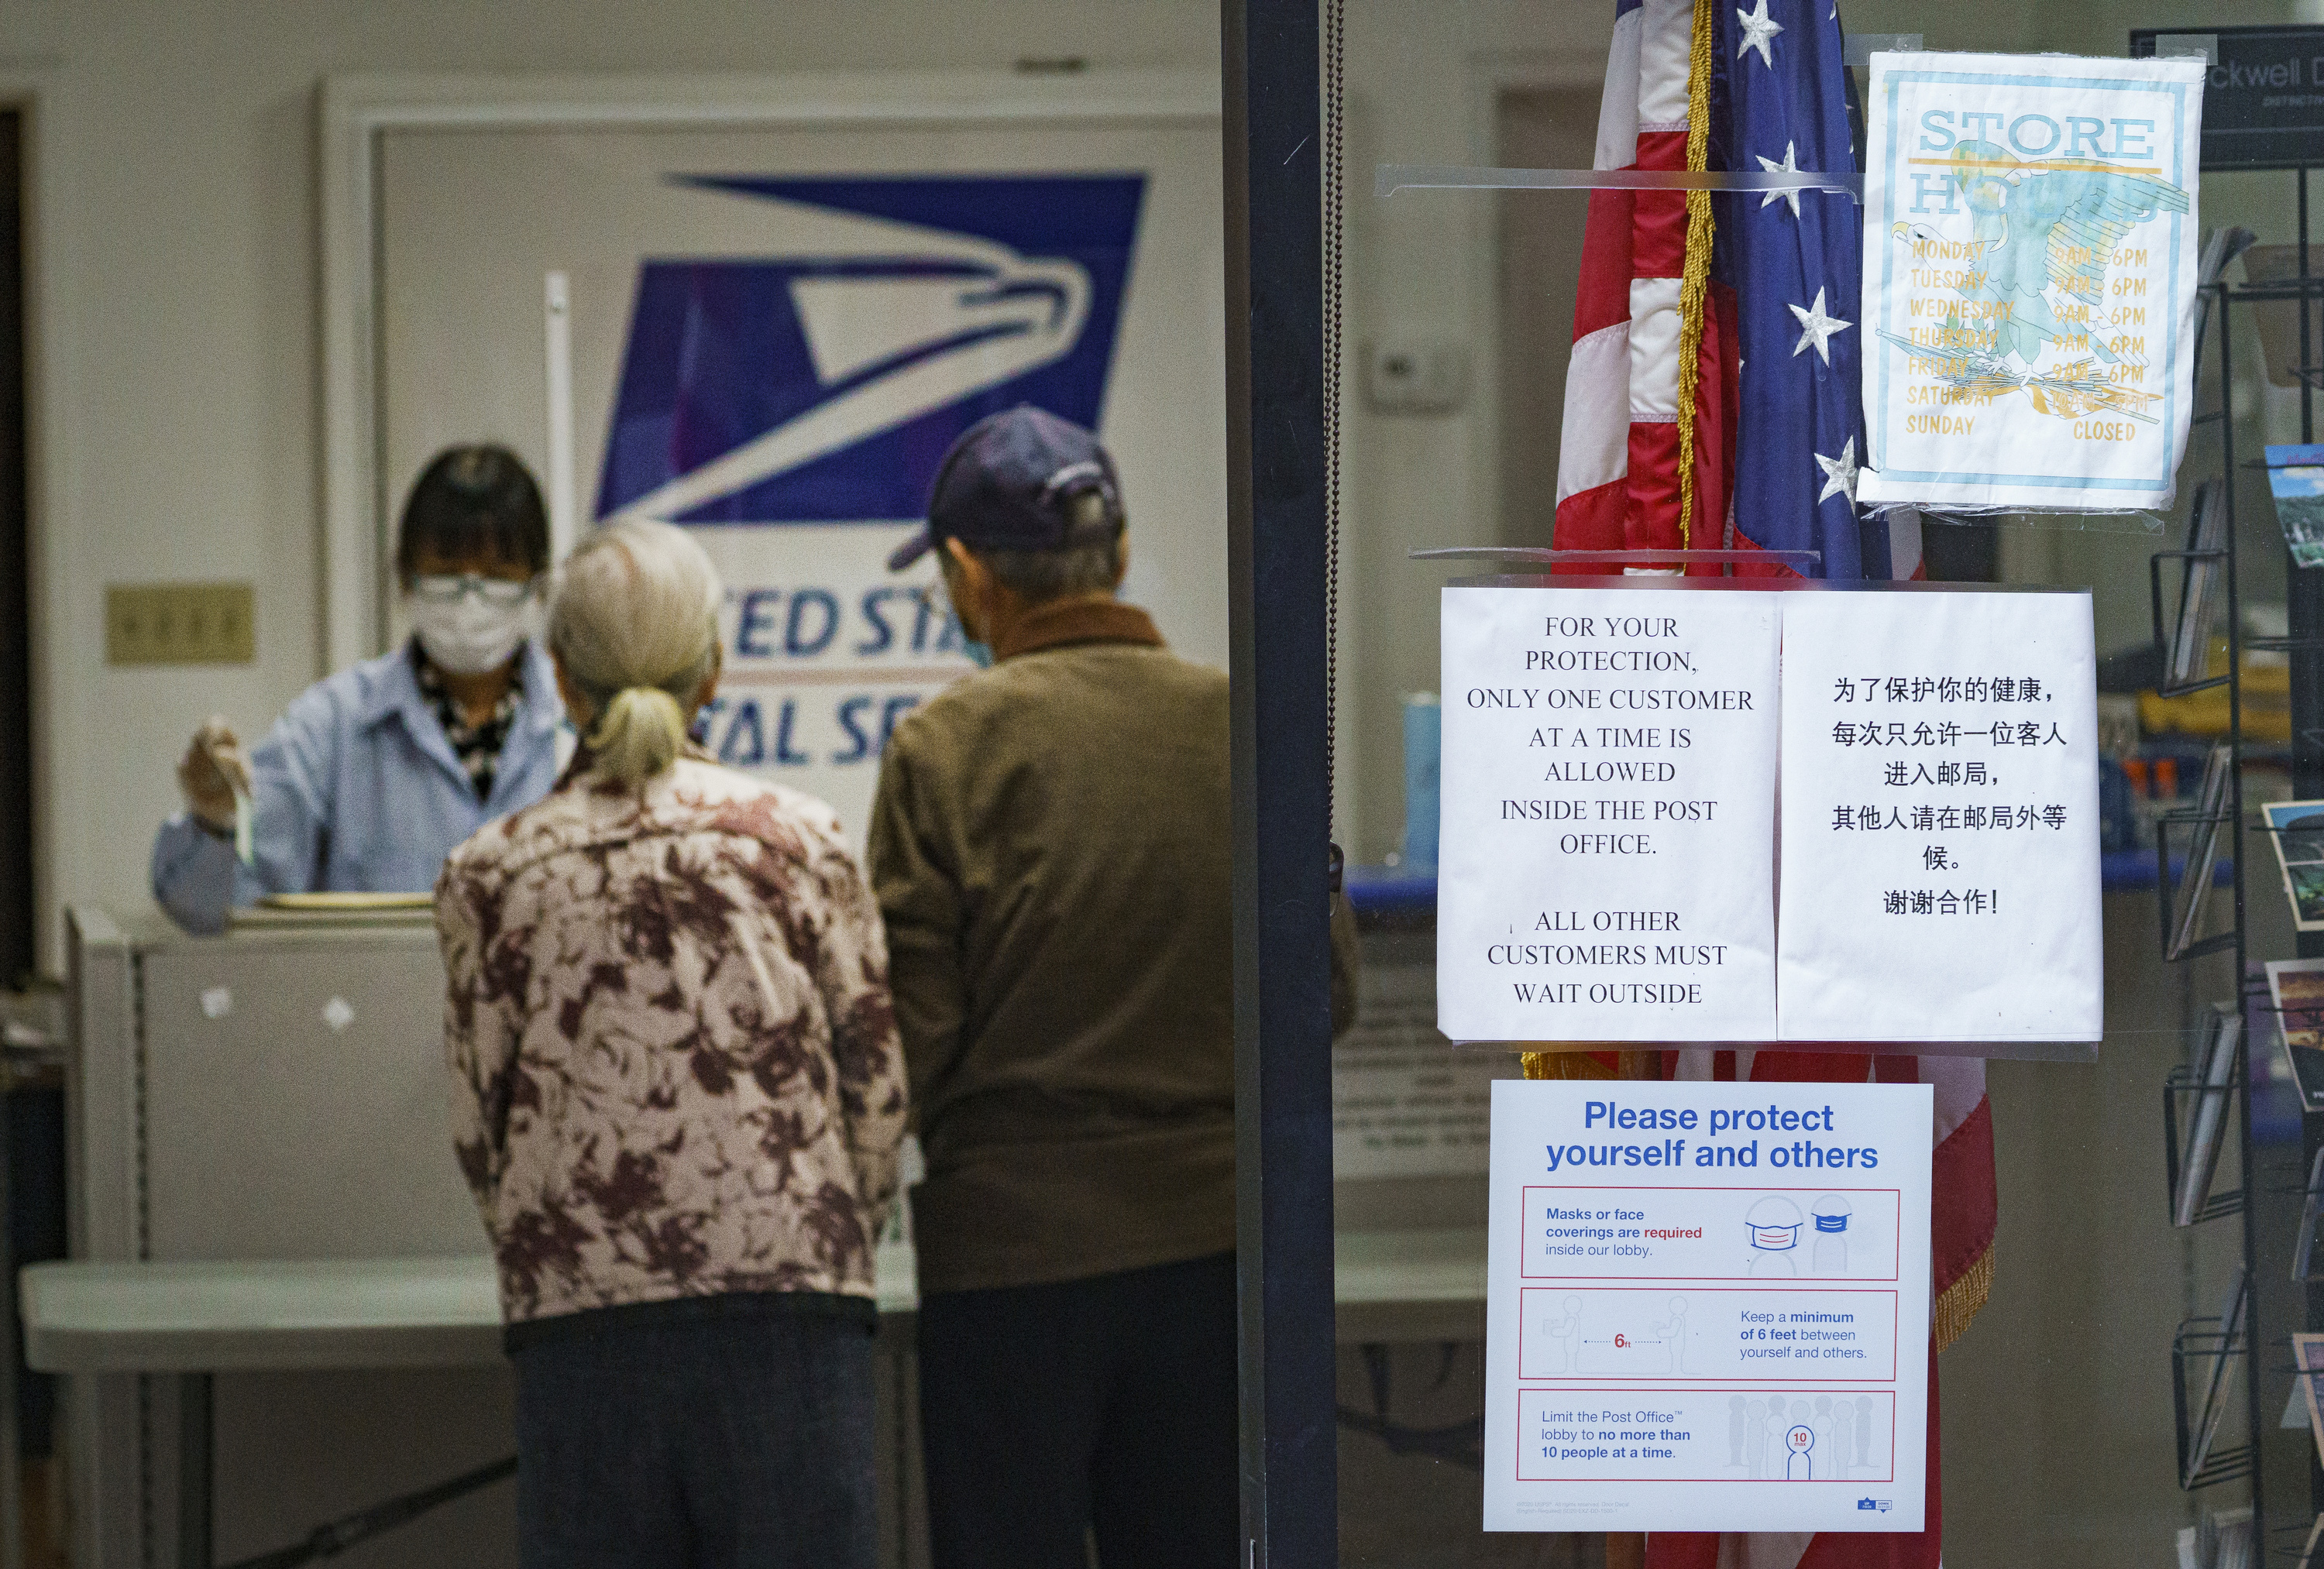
1767,1440
1567,1348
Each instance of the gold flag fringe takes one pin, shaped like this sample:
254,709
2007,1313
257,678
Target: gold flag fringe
1570,1060
1959,1303
1694,282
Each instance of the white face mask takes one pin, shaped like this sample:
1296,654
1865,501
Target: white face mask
468,636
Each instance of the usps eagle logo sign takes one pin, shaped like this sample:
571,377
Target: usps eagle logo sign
791,405
823,385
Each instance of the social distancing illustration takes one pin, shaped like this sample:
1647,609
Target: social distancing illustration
1649,1334
1594,1332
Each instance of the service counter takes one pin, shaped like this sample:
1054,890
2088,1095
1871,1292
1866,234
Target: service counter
280,1312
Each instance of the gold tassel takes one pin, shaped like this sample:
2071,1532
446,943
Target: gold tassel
1959,1302
1570,1060
1566,1062
1694,281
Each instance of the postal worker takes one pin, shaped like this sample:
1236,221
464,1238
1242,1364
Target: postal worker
371,775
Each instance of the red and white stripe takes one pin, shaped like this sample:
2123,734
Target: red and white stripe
1618,449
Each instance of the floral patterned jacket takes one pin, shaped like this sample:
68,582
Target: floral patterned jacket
674,1059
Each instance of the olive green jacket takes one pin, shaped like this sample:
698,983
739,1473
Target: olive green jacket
1051,846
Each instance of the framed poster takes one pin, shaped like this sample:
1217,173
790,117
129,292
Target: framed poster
763,311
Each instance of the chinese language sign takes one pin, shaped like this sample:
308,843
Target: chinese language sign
1707,1307
1940,876
1608,867
2029,279
1607,851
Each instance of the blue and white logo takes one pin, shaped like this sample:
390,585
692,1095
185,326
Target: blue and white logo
822,383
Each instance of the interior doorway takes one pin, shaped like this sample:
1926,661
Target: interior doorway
16,922
1538,127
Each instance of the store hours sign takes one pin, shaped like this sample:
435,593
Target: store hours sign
2029,279
1610,866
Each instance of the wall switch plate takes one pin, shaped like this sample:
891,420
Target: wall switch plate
179,623
1412,375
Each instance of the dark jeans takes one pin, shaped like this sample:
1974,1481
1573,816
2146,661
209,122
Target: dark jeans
697,1441
1104,1404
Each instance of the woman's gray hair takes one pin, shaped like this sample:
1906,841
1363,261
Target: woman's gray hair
635,626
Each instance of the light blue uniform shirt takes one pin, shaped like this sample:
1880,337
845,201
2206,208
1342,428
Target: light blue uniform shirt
356,790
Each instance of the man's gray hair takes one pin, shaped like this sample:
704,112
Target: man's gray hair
1037,576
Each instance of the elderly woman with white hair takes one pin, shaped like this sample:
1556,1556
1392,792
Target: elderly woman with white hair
679,1095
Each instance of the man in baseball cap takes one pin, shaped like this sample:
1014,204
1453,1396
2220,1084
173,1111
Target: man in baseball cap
1019,481
1050,845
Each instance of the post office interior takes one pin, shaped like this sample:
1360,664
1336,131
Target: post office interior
186,398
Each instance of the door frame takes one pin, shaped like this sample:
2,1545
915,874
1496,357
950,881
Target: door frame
31,92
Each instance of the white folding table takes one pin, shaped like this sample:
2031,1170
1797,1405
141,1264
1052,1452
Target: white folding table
192,1321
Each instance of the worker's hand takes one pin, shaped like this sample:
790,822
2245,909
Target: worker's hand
212,769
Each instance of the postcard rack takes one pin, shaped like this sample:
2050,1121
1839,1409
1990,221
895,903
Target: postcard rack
2216,1402
2217,1362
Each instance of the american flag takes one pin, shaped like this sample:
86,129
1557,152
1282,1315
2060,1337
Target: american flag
1725,415
1766,433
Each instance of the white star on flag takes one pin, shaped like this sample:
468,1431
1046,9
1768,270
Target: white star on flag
1816,328
1759,31
1839,474
1790,196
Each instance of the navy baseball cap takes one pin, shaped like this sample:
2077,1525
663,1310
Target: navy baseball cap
1009,483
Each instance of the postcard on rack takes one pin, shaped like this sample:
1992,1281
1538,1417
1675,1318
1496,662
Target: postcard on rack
2297,987
2220,1383
2307,1065
2297,827
2295,478
2308,1360
2215,1066
2309,1555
